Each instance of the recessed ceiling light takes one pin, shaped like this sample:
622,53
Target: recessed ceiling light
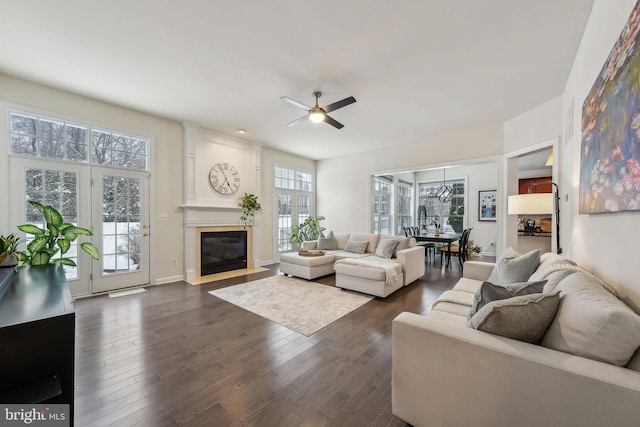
242,131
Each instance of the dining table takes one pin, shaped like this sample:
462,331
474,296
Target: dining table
447,238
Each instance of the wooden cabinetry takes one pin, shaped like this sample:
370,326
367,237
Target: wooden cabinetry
523,185
37,333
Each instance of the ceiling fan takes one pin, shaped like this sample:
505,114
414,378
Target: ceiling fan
319,114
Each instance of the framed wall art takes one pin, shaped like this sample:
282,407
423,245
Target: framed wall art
610,148
487,205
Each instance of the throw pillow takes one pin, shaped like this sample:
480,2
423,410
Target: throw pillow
356,246
327,243
593,323
513,267
488,292
386,248
523,318
403,243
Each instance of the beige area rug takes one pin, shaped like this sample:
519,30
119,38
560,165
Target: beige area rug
305,307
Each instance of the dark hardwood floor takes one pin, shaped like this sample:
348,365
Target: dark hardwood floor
176,355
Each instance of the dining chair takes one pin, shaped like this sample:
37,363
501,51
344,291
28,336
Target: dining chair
457,249
429,247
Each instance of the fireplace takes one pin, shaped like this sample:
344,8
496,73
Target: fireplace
222,251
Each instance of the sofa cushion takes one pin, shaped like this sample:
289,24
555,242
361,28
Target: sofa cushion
549,258
327,243
386,248
593,323
556,277
524,318
369,237
356,246
513,267
345,255
369,268
341,240
488,292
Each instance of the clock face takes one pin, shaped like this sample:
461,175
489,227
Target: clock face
224,178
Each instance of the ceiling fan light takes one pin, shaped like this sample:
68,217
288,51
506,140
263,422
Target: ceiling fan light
316,115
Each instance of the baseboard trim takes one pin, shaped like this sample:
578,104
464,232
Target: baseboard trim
165,280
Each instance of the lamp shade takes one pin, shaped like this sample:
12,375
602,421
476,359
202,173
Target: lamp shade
531,204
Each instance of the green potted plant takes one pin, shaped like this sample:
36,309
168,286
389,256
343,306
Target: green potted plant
472,248
9,254
250,205
310,229
56,236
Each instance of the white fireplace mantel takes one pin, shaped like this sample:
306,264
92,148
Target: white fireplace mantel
204,207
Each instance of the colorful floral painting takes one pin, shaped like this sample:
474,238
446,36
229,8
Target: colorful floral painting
610,151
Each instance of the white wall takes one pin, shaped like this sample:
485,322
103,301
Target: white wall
344,182
606,244
541,123
167,159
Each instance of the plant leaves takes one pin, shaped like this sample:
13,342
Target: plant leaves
31,229
64,245
40,258
3,256
76,230
37,205
52,216
64,261
37,244
91,250
53,230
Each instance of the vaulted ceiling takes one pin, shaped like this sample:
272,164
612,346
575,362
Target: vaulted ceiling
416,68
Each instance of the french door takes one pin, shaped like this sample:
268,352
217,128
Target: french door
115,208
120,211
293,209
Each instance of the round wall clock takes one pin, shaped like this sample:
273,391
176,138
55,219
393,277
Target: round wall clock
224,178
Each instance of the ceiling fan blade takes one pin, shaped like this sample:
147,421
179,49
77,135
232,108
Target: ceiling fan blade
296,103
296,121
336,124
343,103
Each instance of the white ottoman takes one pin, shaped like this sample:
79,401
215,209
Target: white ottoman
369,276
307,267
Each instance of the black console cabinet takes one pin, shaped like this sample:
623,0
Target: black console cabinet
37,330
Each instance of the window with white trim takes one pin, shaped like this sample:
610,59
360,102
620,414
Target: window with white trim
450,215
382,204
43,137
294,197
405,190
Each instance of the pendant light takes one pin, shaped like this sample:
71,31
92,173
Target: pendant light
444,193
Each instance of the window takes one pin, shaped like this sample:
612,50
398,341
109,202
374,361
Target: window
58,189
54,139
112,149
295,196
57,139
451,214
404,205
382,205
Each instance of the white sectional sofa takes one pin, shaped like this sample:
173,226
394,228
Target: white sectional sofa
370,272
446,373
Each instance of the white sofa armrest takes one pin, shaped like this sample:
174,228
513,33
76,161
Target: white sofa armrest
444,373
412,260
477,270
